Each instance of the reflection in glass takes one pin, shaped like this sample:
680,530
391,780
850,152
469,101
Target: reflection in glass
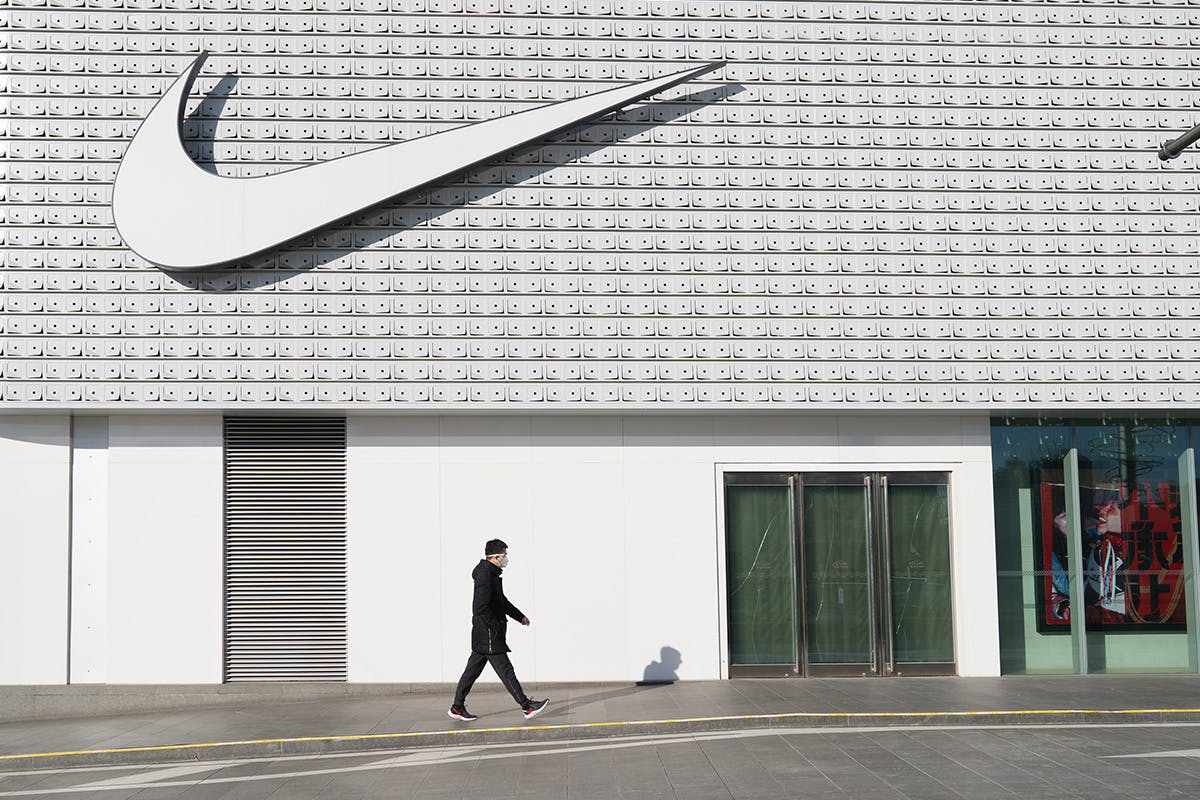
919,534
1026,454
1129,505
1131,542
759,536
838,575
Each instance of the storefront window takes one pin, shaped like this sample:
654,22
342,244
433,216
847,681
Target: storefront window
1131,545
1026,455
1133,552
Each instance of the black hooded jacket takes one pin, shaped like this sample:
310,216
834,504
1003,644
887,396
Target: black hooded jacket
488,610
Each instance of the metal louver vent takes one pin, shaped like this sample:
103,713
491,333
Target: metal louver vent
285,549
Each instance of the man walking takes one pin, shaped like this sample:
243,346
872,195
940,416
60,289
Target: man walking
489,624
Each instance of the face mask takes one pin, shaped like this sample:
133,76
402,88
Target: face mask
504,562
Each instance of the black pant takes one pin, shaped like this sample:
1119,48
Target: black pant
504,669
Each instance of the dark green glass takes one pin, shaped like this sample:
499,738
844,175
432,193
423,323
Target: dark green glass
919,534
837,563
759,549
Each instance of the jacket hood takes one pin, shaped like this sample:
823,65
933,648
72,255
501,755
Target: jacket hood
484,566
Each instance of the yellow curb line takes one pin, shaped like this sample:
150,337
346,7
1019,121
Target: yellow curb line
586,725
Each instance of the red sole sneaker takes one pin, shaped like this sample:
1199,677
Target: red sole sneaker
538,707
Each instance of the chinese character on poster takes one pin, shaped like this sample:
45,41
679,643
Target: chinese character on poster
1133,559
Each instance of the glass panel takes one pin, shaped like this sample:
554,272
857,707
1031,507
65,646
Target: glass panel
1132,547
1191,553
838,575
1069,525
1027,457
919,534
760,555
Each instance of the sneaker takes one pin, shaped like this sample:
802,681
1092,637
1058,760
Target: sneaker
461,714
535,707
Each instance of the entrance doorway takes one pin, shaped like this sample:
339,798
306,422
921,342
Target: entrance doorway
838,574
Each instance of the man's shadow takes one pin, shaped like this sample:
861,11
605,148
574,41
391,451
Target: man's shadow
657,673
662,671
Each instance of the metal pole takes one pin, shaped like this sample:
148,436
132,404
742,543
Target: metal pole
1177,145
1188,529
1075,564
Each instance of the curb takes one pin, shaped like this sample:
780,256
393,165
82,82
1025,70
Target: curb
81,701
320,745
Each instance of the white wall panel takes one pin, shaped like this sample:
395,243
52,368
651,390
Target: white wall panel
578,548
89,549
577,555
614,533
853,212
164,583
973,557
393,550
752,438
35,476
670,575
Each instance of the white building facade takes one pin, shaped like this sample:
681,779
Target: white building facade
792,369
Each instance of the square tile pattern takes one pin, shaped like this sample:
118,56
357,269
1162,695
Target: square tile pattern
872,204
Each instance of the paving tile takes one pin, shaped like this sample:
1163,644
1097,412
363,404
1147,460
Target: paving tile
542,776
1043,752
739,770
788,766
689,771
961,763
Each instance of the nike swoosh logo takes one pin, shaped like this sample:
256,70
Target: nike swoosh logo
176,215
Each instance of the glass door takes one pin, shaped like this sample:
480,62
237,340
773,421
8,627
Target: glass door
914,549
839,574
760,561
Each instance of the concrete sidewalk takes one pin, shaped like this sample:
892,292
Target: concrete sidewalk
418,718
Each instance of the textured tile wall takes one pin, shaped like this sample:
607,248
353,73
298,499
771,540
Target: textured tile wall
873,204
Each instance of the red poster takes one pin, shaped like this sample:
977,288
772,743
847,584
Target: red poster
1132,553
